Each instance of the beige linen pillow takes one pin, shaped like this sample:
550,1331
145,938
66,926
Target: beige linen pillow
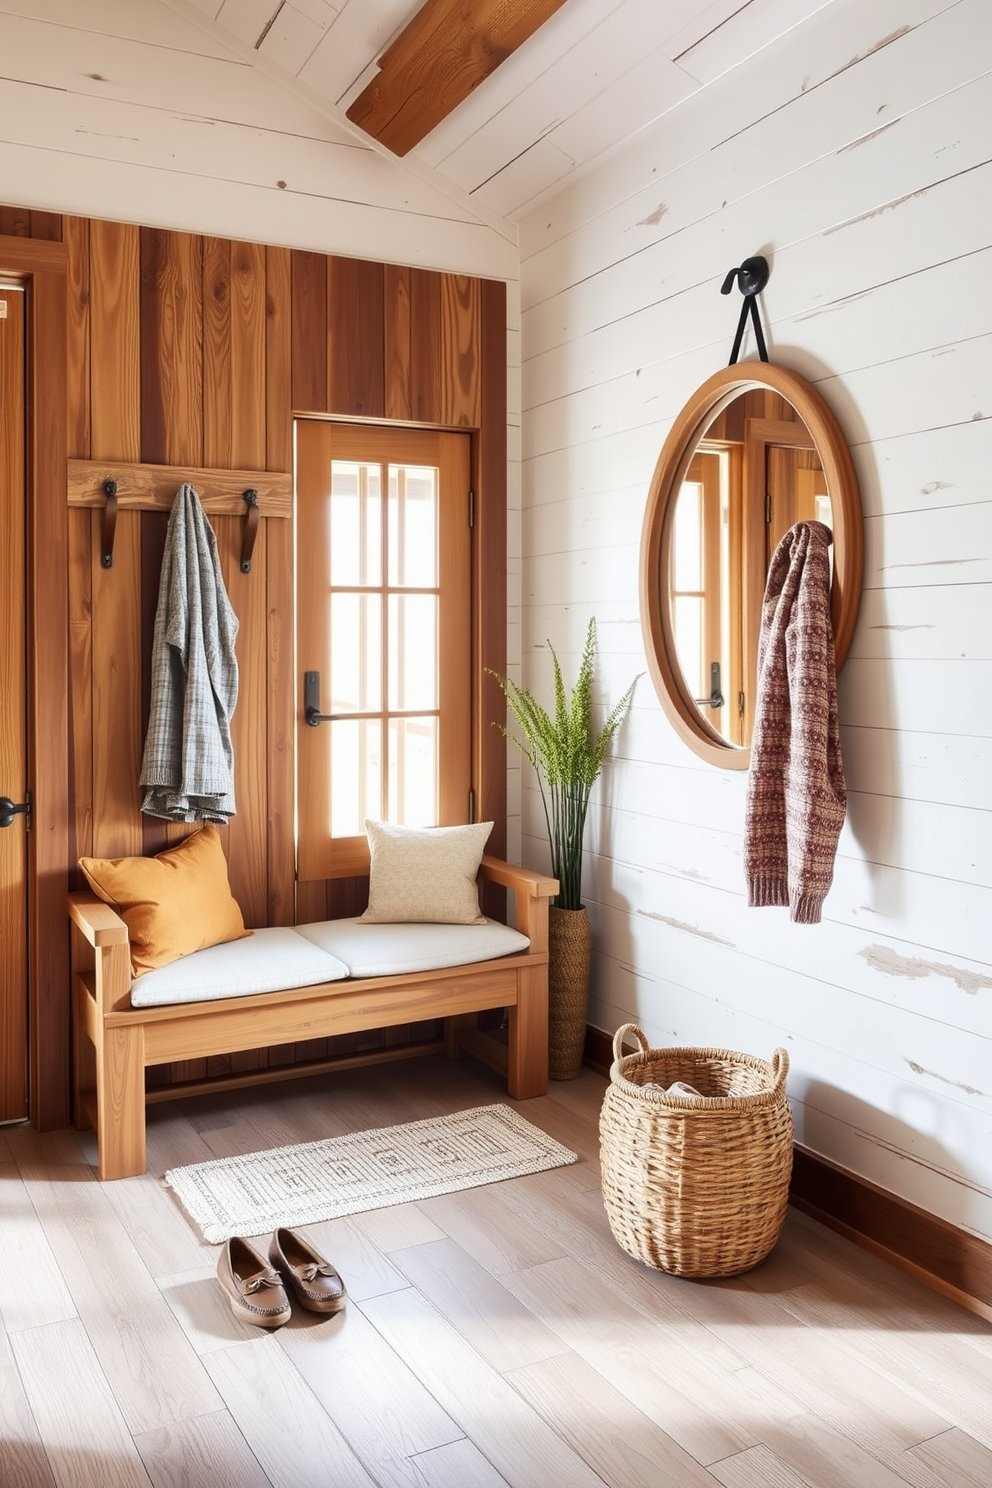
172,904
425,874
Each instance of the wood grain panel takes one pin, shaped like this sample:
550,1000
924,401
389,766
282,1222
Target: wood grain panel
233,354
459,361
80,689
396,334
171,348
355,337
47,226
115,423
278,359
78,337
425,346
116,670
309,351
156,833
247,830
115,665
280,714
48,704
280,734
15,222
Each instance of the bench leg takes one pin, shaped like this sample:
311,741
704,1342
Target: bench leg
527,1069
120,1102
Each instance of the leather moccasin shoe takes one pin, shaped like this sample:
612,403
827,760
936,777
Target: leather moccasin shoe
254,1290
317,1285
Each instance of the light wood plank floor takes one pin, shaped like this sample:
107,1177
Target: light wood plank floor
497,1336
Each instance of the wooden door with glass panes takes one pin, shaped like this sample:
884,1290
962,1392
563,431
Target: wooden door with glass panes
383,636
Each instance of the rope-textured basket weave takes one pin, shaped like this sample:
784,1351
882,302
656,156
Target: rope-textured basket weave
696,1185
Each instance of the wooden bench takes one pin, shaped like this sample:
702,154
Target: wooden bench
114,1042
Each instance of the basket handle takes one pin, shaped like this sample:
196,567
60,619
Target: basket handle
780,1067
622,1033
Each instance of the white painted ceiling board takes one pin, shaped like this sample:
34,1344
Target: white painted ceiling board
747,31
293,38
246,19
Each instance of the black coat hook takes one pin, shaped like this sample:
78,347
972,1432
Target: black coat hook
109,523
751,277
251,529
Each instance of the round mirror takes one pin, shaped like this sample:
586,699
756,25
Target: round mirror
755,450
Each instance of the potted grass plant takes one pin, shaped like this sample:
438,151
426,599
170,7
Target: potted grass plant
567,752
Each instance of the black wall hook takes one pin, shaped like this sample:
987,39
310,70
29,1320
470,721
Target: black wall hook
251,529
751,277
109,523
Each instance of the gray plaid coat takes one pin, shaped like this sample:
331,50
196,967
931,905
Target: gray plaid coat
188,762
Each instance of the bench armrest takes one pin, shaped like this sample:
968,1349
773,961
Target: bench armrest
532,892
98,922
520,880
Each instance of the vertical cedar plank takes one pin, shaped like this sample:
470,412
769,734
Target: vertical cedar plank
280,713
48,736
171,348
15,222
80,589
309,333
233,299
246,832
80,687
77,239
311,901
489,568
458,369
233,355
396,333
156,833
355,337
115,394
425,346
115,629
47,225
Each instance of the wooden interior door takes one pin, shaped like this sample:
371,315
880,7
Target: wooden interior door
13,722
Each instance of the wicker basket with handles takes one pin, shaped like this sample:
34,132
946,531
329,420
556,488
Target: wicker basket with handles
696,1185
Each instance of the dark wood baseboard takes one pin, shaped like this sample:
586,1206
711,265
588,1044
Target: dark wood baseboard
944,1257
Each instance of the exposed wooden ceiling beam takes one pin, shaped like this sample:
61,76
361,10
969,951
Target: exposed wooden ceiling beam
446,51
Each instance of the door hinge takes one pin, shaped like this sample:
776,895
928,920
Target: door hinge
768,506
471,807
471,508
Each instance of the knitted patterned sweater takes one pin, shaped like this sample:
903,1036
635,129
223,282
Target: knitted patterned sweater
796,794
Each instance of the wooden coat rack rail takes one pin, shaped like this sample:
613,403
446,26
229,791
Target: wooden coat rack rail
115,486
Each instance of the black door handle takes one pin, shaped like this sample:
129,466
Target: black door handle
8,810
311,701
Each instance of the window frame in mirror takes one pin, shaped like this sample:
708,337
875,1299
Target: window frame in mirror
688,429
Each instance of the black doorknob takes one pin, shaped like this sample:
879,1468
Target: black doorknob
8,810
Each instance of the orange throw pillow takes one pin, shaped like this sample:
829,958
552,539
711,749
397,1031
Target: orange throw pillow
172,904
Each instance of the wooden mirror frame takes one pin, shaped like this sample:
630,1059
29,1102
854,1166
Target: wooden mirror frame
706,403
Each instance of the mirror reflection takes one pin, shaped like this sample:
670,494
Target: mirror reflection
752,475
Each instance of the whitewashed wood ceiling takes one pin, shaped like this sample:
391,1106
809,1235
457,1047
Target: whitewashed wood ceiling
596,73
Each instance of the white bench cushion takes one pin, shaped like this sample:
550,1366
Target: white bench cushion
267,961
390,950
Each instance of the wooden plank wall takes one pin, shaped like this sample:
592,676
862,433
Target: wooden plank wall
190,350
854,154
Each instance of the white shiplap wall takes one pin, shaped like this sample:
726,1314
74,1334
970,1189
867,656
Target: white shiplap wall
857,155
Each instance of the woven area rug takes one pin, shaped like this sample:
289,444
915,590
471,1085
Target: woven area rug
364,1170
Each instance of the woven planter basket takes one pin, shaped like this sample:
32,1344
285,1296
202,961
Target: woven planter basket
569,960
696,1186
